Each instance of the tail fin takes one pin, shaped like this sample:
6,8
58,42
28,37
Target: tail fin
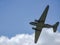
55,27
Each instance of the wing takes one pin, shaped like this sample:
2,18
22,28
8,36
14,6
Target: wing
37,34
44,14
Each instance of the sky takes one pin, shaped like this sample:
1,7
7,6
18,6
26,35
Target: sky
15,15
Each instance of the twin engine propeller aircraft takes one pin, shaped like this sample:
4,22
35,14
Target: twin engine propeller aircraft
41,24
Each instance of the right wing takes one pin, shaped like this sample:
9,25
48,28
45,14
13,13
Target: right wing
44,14
37,34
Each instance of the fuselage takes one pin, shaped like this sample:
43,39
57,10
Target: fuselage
40,25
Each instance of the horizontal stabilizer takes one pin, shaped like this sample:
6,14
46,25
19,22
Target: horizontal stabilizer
55,27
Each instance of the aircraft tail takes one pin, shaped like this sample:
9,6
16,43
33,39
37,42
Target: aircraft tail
55,27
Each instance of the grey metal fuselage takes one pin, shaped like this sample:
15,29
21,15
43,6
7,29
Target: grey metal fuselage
40,25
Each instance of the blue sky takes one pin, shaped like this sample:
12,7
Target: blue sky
15,15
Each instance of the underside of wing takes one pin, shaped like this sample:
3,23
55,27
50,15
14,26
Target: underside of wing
37,34
44,14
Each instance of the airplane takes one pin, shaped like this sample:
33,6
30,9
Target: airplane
41,24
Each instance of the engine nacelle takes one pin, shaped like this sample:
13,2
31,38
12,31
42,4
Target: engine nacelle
39,21
36,20
34,28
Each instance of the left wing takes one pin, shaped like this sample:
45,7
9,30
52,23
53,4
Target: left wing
44,14
37,34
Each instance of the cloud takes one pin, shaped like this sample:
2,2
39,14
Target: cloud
47,37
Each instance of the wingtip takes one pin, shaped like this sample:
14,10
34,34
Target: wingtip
47,6
35,42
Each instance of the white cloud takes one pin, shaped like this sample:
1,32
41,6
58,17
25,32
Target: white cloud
47,37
